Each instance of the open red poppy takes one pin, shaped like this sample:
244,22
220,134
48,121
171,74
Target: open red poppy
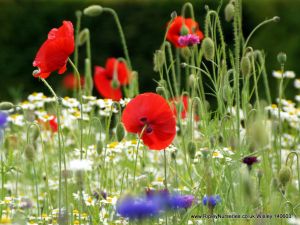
184,100
175,30
109,79
53,54
151,114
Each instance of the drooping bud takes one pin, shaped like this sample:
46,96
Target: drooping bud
208,48
93,10
99,147
191,149
83,36
173,15
158,60
160,90
229,12
29,152
245,66
281,58
192,80
285,175
276,19
120,132
6,105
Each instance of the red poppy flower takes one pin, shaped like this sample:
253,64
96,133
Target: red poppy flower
53,124
53,54
180,24
184,108
150,112
70,82
109,79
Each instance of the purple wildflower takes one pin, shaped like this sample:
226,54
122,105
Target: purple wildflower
3,120
250,160
181,201
188,40
137,208
211,201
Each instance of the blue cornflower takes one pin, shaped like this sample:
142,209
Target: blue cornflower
211,201
137,208
181,201
3,120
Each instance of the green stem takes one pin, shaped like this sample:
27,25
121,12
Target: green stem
137,153
191,8
78,24
165,168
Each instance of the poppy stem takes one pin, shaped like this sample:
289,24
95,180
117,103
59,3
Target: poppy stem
137,152
165,167
78,15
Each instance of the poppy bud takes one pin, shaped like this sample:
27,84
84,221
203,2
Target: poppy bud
276,19
115,84
192,80
184,30
160,90
192,149
245,66
158,60
29,152
99,147
93,10
6,105
183,65
120,131
83,36
78,13
173,15
208,48
185,52
227,90
281,57
229,12
285,175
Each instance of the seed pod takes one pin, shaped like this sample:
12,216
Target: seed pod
158,60
285,175
208,48
6,106
229,12
245,66
192,149
93,10
120,131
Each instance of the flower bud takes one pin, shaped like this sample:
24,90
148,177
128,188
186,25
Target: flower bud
245,66
115,84
29,152
227,91
93,10
281,58
208,48
229,12
88,81
185,52
192,80
78,13
285,175
83,36
173,15
191,149
120,132
184,30
160,90
6,106
99,147
158,60
276,19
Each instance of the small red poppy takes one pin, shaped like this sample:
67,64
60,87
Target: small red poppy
109,79
53,54
53,124
175,30
150,112
70,81
184,108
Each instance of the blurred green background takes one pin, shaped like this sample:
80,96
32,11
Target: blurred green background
24,26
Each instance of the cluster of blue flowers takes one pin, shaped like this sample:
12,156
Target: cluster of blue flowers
152,204
211,201
3,122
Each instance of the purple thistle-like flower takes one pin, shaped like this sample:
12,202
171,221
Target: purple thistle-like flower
211,201
137,208
181,201
188,40
3,120
250,160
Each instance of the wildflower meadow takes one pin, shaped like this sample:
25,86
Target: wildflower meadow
209,145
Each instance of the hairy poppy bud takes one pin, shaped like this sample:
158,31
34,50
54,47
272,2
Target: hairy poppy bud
276,19
192,149
173,15
83,36
29,152
227,91
99,147
285,175
6,105
93,10
281,57
158,60
186,52
160,90
208,48
184,30
192,80
245,66
229,12
78,13
120,131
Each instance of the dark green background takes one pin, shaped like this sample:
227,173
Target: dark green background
24,26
